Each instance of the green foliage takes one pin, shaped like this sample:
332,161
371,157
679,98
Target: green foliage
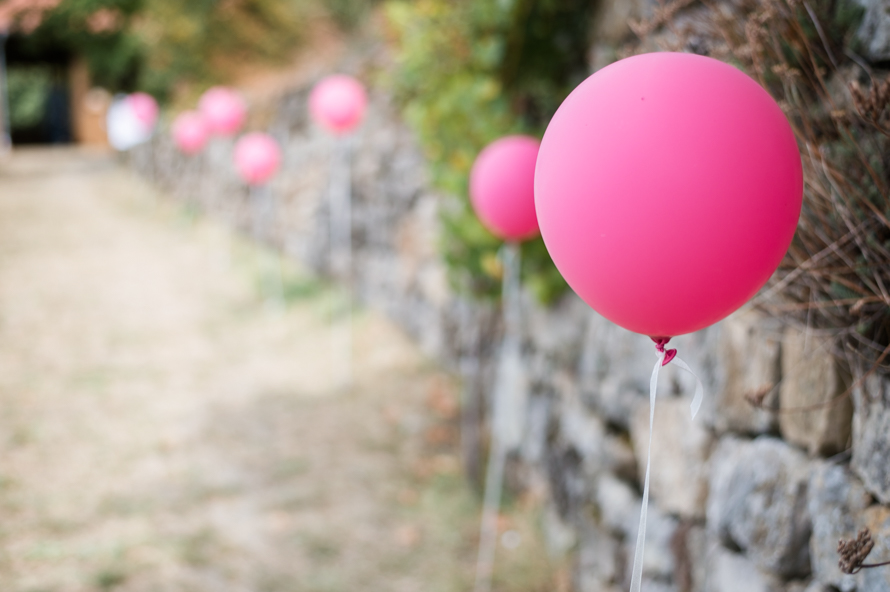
28,90
113,55
469,72
200,40
156,45
348,13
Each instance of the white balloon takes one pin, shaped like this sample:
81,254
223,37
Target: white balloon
125,130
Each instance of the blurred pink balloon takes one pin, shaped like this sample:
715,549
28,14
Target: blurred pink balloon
190,132
668,188
338,103
502,187
257,158
224,110
145,108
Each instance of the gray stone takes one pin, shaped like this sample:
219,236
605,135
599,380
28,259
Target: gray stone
732,572
693,564
750,355
835,500
600,451
871,435
658,556
614,369
557,332
843,501
650,585
874,32
757,503
618,506
534,442
559,537
596,559
811,377
814,586
877,520
679,479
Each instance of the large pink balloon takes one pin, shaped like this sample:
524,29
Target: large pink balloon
224,110
257,157
190,132
668,188
145,108
502,187
338,103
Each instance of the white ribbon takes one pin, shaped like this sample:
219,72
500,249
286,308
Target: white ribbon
636,580
699,389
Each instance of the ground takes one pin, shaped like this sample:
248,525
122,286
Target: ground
164,426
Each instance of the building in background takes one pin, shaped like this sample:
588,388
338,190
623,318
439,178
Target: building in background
48,95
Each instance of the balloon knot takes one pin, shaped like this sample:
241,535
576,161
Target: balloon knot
669,355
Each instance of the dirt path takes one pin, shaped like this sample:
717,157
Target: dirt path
163,430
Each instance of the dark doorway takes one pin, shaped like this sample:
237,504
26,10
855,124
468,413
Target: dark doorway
39,92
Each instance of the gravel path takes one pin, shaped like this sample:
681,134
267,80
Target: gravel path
162,429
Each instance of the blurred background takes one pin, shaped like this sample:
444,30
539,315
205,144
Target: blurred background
173,408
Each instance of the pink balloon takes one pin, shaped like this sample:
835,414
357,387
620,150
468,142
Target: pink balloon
190,132
224,110
144,107
502,187
257,158
668,189
338,103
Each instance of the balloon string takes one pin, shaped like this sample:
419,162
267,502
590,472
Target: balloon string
636,580
503,434
664,357
340,208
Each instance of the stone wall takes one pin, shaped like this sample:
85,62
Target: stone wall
745,498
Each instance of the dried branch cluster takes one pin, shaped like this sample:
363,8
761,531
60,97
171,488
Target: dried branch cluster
836,275
853,553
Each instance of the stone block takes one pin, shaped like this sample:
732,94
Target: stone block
871,435
601,451
733,572
680,450
596,559
559,536
874,31
556,332
835,500
618,506
845,522
757,503
659,562
877,520
749,349
614,369
811,377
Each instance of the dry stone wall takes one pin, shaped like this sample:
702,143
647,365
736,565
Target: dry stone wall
745,498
